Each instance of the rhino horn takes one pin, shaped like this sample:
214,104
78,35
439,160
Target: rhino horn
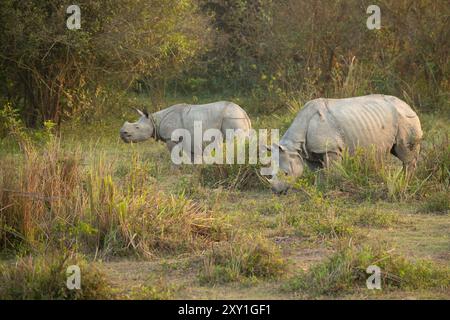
142,113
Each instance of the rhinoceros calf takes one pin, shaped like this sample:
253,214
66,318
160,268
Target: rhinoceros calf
325,127
222,115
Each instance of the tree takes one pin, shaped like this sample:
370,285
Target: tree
43,62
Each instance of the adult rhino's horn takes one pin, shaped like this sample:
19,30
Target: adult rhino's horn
141,113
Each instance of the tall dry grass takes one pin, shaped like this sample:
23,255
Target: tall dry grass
50,198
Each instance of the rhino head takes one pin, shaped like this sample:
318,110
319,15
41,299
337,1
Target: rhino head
290,164
138,131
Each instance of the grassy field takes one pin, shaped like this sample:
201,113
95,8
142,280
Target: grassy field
140,230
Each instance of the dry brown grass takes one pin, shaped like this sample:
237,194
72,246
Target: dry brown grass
48,198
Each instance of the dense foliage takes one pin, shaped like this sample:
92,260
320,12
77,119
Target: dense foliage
47,68
271,51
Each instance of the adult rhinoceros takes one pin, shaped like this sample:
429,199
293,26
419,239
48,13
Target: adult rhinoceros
325,127
222,115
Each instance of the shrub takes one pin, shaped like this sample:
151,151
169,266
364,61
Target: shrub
54,92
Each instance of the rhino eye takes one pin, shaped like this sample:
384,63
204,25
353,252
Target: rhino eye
137,127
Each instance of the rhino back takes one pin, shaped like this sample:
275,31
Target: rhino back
210,115
364,121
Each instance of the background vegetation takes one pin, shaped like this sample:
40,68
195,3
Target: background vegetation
267,50
72,193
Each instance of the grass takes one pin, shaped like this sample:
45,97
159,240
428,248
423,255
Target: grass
232,176
50,197
346,270
245,176
248,258
45,277
155,290
438,202
364,175
110,201
372,217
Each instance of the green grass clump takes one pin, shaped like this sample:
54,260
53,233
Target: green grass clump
325,220
365,176
251,257
372,217
157,289
235,176
345,271
44,277
434,161
438,202
325,225
316,217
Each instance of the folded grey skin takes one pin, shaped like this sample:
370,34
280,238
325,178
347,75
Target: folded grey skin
324,128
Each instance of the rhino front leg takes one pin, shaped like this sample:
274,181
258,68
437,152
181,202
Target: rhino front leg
408,154
327,161
330,157
173,167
